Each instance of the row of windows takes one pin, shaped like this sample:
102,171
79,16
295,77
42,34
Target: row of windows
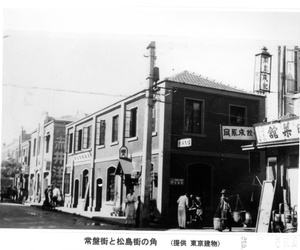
83,137
37,145
194,116
193,123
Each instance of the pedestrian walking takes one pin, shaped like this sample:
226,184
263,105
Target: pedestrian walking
56,195
138,208
130,208
224,210
199,217
191,212
183,205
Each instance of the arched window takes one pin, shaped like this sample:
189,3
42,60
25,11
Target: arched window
85,180
110,189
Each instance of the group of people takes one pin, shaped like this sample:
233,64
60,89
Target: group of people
132,209
191,211
52,195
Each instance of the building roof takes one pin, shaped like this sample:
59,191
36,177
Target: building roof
187,77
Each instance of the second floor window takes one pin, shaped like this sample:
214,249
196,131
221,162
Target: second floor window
78,140
87,137
39,145
293,85
131,123
237,116
34,147
193,117
100,132
47,143
115,130
70,143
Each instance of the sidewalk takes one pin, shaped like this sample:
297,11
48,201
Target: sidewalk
116,220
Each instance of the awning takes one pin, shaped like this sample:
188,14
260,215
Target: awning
270,145
124,167
278,144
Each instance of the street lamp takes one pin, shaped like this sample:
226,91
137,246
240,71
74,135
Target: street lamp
262,72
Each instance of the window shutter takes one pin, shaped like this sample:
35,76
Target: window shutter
102,132
85,137
127,123
76,140
98,131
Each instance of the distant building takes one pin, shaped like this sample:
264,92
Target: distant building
17,151
46,155
198,128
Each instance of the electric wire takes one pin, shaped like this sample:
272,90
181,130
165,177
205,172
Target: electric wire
63,90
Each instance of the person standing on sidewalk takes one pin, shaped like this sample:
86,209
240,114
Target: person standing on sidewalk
183,205
225,209
55,195
130,207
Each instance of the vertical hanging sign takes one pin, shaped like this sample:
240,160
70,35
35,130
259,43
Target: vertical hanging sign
262,72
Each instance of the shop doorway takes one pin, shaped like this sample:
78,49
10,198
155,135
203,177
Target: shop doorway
199,181
99,194
76,188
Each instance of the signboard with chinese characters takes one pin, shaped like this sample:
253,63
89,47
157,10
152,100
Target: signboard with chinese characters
187,142
176,181
262,71
277,131
237,133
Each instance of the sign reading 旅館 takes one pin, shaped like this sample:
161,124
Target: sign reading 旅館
237,133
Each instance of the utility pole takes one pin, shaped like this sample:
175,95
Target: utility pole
147,145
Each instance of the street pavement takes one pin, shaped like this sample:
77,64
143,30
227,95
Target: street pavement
119,220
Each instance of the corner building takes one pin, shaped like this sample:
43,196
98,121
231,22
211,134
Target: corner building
189,150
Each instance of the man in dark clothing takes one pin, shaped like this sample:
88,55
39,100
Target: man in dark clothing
225,210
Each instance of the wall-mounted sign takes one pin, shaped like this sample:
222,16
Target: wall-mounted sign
176,181
82,156
187,142
123,153
237,133
278,131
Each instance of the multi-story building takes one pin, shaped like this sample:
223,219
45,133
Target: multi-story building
18,151
198,128
47,155
277,142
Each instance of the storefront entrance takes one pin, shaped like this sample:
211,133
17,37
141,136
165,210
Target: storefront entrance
199,181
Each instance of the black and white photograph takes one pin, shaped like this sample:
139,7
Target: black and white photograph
150,125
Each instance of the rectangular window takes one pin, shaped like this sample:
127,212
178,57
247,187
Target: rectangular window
100,132
291,71
237,116
34,146
67,183
131,123
39,145
78,140
70,143
193,120
47,143
87,137
115,130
